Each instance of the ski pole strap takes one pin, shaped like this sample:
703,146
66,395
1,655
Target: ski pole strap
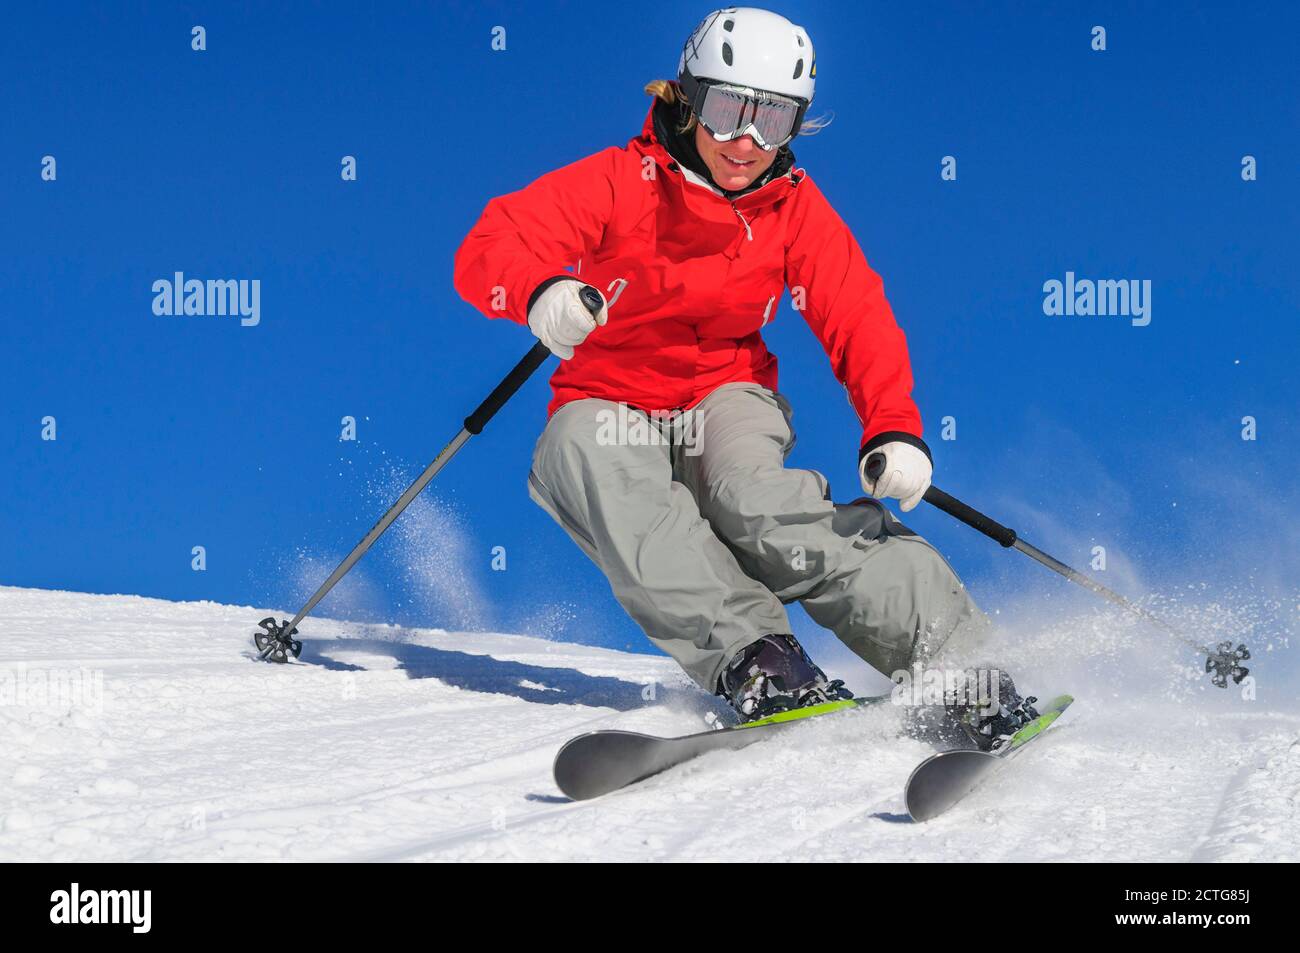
970,516
494,401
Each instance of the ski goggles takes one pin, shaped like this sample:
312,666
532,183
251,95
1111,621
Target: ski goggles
729,112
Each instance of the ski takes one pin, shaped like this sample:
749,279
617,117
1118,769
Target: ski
603,761
943,779
599,762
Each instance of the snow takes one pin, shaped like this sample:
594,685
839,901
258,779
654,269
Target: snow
140,729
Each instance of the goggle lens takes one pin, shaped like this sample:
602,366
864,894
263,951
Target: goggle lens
729,112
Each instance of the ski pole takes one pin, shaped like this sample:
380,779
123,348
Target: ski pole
1224,662
276,641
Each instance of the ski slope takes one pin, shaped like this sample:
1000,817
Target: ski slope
138,729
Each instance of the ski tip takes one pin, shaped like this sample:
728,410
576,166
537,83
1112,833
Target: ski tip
599,762
943,779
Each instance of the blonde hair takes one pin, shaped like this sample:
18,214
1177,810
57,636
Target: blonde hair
672,94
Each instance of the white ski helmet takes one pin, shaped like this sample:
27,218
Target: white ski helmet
746,46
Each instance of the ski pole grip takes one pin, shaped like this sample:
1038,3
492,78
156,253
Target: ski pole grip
494,401
953,507
531,361
970,516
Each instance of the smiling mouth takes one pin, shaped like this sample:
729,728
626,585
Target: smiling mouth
738,163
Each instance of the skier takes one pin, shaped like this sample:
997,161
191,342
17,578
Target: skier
663,457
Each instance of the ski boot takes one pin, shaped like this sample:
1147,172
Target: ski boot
990,731
775,674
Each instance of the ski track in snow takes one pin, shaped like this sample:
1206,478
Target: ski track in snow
419,744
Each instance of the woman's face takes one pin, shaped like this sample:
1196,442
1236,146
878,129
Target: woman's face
735,164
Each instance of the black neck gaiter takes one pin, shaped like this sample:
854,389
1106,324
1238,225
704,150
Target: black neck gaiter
670,117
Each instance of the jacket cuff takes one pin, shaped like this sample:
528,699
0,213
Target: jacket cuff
537,292
893,436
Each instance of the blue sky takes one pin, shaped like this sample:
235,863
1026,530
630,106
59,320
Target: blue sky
182,431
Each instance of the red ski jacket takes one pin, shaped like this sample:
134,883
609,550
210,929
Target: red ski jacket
690,278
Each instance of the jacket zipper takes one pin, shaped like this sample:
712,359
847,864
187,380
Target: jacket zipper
749,232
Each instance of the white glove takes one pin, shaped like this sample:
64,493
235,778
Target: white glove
906,475
561,321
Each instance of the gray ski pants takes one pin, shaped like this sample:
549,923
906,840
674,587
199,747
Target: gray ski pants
704,534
